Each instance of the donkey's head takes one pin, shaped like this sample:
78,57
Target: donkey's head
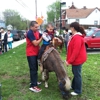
64,88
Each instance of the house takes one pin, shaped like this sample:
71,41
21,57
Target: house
2,24
86,17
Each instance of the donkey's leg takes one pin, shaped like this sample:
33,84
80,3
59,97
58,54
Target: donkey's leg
43,75
60,47
41,67
46,78
46,84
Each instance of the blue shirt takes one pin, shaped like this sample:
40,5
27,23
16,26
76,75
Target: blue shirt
45,42
31,36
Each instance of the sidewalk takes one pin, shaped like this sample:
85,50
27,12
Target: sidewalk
17,43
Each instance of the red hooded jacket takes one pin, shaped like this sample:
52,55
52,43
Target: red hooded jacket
76,52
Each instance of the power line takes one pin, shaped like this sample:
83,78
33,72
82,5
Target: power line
20,3
23,5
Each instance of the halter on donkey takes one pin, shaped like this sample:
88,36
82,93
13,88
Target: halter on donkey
51,62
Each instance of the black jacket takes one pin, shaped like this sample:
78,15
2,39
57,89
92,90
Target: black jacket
5,38
0,35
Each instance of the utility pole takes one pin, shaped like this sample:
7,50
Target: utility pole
60,18
36,8
61,3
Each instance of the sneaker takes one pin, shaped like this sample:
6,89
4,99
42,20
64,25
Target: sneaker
35,89
73,93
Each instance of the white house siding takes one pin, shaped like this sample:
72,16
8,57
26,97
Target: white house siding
94,16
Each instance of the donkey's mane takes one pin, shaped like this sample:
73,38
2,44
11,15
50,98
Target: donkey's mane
57,55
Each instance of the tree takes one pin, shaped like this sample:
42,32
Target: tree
53,11
12,17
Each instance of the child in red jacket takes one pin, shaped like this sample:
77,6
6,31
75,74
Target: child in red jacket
76,56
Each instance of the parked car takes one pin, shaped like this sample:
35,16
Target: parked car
21,34
92,39
91,28
17,34
24,32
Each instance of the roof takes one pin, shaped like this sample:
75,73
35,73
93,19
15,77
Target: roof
72,7
79,13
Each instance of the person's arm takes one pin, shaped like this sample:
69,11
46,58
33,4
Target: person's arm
45,37
5,37
33,40
11,35
76,50
37,42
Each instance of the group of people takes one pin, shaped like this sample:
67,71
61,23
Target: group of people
75,55
6,38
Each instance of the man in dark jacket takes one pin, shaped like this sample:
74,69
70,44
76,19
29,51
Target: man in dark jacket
4,40
66,38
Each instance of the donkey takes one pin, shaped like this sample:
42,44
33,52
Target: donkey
52,62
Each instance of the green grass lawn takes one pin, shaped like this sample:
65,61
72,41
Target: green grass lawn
14,77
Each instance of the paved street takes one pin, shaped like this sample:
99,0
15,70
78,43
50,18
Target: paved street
93,51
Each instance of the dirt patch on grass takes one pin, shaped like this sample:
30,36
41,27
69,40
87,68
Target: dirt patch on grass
5,76
21,77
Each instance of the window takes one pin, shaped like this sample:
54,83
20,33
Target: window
96,22
89,33
96,11
77,20
97,34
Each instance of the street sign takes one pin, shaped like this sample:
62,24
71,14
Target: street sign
39,20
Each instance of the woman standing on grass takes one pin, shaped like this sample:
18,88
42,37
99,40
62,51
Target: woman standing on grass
76,56
10,39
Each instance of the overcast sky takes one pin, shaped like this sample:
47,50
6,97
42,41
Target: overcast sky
27,7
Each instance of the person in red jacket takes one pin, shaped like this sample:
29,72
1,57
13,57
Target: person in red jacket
33,39
76,56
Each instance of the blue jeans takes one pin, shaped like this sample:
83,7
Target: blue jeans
66,44
10,45
43,47
33,66
77,80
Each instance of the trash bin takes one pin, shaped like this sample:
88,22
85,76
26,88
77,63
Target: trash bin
0,93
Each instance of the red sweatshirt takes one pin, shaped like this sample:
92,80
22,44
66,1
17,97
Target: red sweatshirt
76,52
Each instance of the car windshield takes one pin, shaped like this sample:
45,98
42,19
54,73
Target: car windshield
89,33
13,31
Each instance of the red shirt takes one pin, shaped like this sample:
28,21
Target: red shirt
76,52
31,49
